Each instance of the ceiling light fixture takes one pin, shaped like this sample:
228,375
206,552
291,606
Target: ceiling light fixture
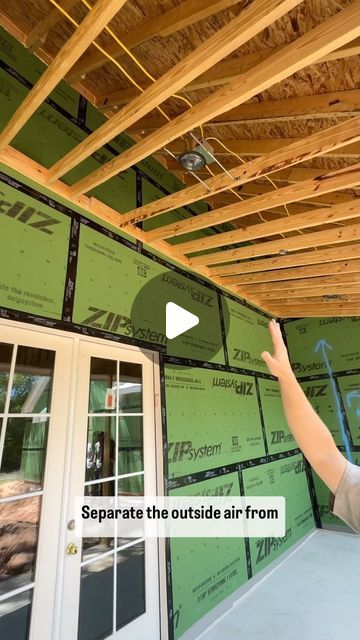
197,158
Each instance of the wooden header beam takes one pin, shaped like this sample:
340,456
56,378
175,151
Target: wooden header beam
331,181
89,29
349,233
181,16
274,163
336,31
258,15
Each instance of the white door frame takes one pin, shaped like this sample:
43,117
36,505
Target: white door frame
55,521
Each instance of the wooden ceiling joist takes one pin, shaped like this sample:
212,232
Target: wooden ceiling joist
334,32
301,284
177,18
227,71
262,146
89,29
327,105
349,233
303,294
37,36
312,218
314,258
255,189
316,311
331,181
257,16
280,277
310,147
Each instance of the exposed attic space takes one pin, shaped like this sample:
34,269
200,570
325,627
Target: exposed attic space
273,86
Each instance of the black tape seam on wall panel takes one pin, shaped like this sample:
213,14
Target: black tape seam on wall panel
261,416
50,323
215,366
246,540
343,413
81,116
182,481
313,496
70,279
12,72
223,329
169,589
325,376
164,422
54,204
139,201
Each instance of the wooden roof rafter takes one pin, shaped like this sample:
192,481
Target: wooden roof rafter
294,153
334,32
89,29
175,19
251,21
226,71
328,182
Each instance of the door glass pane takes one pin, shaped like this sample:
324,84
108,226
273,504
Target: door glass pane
15,616
100,452
23,459
102,396
31,389
130,595
132,486
5,362
130,458
96,599
18,542
114,449
130,387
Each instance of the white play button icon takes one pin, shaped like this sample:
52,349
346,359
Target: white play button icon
178,320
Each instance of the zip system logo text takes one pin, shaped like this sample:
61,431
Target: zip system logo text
240,355
118,323
184,450
196,294
241,387
28,215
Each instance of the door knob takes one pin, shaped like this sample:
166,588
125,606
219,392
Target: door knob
71,549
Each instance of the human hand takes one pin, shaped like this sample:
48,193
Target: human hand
278,364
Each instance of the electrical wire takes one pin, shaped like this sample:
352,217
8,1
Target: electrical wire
177,96
141,66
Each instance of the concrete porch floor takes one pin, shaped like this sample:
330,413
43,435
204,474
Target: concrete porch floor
313,595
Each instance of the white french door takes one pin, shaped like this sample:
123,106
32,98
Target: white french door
78,418
115,581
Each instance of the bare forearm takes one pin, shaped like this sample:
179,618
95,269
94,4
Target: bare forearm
309,431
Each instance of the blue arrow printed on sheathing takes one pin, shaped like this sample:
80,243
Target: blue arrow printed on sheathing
323,345
349,397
